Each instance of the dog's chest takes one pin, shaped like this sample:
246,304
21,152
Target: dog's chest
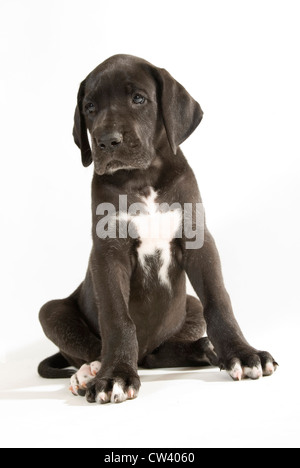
156,228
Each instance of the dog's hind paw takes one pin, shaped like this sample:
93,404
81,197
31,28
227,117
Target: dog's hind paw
79,381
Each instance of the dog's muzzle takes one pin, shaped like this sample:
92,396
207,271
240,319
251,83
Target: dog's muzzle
109,142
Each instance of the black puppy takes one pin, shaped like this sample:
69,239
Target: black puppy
149,231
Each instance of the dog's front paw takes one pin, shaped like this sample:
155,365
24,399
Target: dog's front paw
114,386
249,363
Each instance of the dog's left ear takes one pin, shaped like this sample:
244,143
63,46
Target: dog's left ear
181,113
80,130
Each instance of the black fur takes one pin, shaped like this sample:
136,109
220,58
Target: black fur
138,115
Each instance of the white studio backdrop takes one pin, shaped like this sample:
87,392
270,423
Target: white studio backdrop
239,59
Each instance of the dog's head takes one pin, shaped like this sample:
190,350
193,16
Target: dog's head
126,109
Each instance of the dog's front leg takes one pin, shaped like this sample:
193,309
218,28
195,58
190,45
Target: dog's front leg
203,268
117,380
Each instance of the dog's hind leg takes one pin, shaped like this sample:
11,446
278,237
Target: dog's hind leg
64,324
188,348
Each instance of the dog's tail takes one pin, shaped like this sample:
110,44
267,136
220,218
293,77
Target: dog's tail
54,367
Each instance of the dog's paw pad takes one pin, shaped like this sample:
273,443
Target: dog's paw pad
253,373
83,376
132,393
95,368
118,394
252,366
103,398
269,368
236,371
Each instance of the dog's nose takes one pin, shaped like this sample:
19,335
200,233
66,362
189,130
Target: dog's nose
109,141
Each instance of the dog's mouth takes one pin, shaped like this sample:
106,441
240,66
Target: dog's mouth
128,157
107,165
115,166
104,167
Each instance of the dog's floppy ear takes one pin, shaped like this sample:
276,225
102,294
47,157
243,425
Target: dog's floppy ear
181,113
80,130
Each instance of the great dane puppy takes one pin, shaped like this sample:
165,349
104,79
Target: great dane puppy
149,232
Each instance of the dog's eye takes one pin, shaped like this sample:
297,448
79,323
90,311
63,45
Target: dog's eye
138,99
90,108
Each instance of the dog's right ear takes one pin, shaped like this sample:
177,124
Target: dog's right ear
80,131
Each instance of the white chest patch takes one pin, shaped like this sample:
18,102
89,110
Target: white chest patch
156,230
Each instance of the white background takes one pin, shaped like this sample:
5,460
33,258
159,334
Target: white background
240,60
